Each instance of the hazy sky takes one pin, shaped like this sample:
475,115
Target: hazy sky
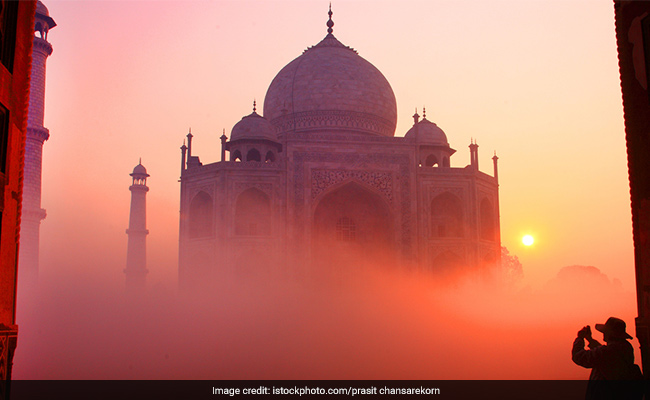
534,80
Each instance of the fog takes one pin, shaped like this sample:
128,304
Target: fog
353,322
543,84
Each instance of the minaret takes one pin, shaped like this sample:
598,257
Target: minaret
473,152
32,213
136,253
223,138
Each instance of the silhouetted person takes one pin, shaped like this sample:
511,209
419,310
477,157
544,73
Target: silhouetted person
613,372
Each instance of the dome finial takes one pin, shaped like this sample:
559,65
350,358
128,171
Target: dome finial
330,23
140,162
254,105
424,112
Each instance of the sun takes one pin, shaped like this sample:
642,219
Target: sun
528,240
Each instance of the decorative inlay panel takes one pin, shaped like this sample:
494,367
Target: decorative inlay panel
334,118
209,189
239,187
321,179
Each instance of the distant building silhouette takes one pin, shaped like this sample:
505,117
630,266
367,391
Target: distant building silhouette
33,214
16,41
320,180
136,254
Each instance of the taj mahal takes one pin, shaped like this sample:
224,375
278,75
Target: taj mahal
320,180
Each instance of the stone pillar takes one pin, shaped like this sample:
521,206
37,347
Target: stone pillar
223,138
183,157
473,151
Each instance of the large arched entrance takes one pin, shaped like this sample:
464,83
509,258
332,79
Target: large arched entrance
352,225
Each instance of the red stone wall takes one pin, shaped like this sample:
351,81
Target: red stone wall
633,56
14,96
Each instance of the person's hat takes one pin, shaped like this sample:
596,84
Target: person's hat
615,327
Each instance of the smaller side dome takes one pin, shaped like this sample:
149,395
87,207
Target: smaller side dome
253,126
427,132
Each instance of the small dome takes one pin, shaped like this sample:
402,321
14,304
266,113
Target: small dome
253,126
44,14
427,132
140,170
41,9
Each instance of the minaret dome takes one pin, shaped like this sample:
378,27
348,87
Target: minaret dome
42,20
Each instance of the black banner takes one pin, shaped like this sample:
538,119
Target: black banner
99,390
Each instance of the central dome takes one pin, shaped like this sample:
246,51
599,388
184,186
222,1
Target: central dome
331,88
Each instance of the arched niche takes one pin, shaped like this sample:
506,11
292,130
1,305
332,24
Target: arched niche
430,161
37,29
253,213
201,216
253,155
446,216
487,222
236,156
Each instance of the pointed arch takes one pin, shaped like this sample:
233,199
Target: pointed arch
446,216
253,155
430,161
253,213
446,262
487,223
270,157
352,223
201,216
236,156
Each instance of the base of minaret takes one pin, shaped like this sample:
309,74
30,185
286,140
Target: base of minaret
136,280
28,251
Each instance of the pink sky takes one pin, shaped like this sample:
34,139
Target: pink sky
535,80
